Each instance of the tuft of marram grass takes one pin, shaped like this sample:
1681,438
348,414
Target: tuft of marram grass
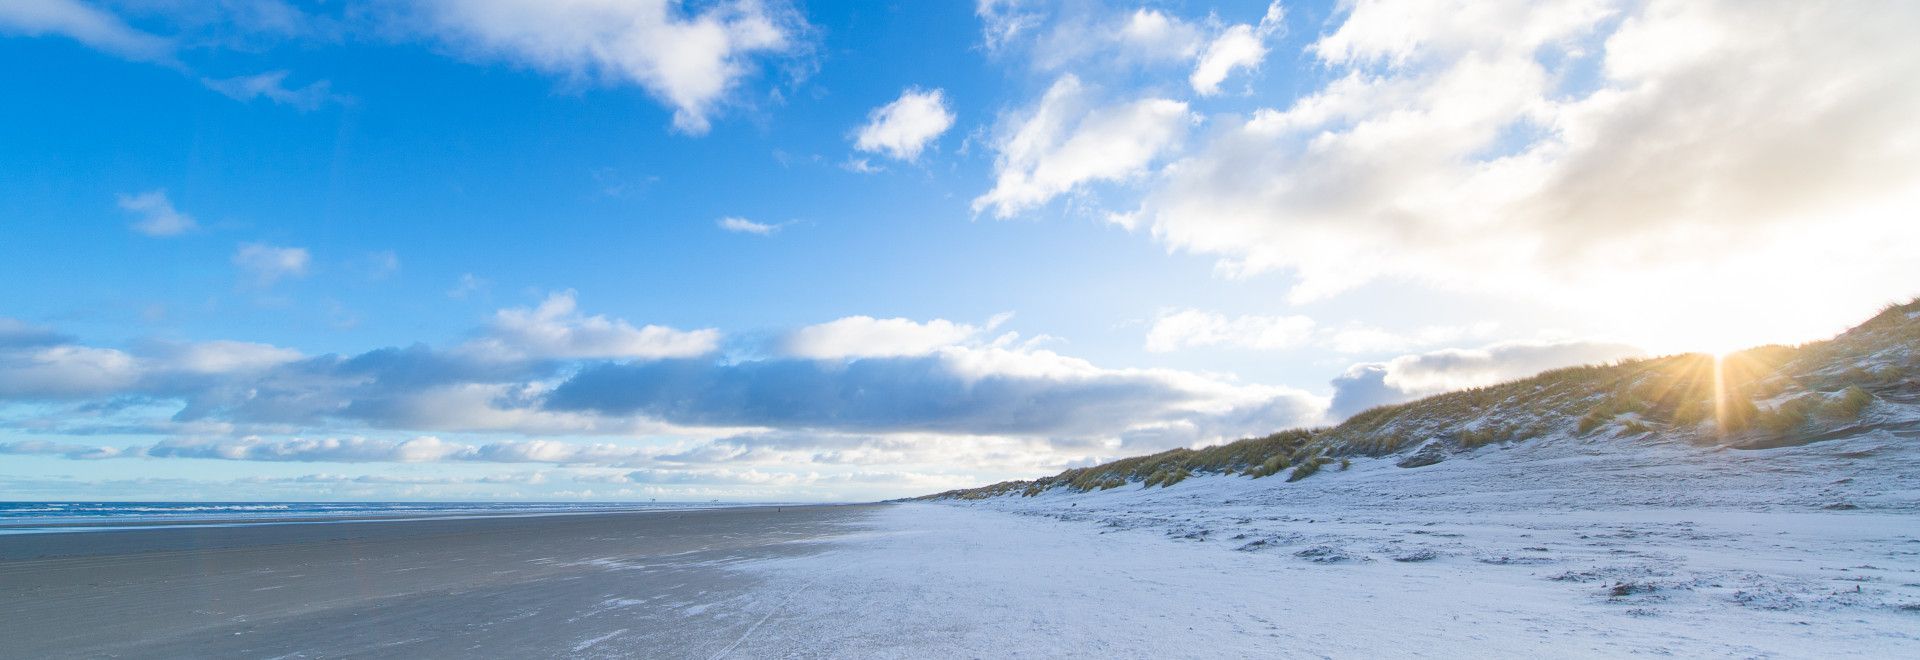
1848,405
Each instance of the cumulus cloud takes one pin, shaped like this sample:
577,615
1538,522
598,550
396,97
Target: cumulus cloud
97,29
39,364
739,225
965,390
266,264
688,60
220,356
1182,328
1577,151
156,214
1156,34
905,126
854,389
1066,141
865,336
272,86
355,449
1410,377
493,383
65,371
557,329
16,333
1240,46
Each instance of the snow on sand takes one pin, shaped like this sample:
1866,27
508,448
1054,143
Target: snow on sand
1557,548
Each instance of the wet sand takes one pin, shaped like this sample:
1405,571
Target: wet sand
653,584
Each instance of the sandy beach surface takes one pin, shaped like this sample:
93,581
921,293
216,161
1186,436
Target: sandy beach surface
1469,559
604,584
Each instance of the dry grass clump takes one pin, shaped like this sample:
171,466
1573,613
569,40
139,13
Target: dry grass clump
1848,405
1307,469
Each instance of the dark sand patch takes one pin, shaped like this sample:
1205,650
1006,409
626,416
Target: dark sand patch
644,583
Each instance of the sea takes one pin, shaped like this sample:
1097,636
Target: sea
55,517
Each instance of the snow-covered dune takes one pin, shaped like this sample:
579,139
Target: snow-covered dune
1568,548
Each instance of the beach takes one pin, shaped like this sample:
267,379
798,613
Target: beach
1471,561
640,583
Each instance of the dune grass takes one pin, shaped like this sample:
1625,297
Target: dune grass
1765,396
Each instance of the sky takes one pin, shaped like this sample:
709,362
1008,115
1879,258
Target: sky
760,250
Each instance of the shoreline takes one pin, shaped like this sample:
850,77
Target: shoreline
24,526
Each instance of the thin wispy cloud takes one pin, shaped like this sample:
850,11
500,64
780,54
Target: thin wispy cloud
1176,329
381,264
156,215
469,285
84,23
263,265
739,225
273,87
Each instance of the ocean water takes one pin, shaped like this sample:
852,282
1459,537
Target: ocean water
47,517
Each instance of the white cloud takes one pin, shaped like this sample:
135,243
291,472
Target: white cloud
556,329
222,356
1362,338
1764,146
468,285
1399,32
1410,377
157,217
266,264
1240,46
66,370
861,166
1184,328
272,86
887,392
1003,21
1063,143
690,61
38,364
1094,39
530,478
17,333
415,450
1153,33
740,225
80,22
904,127
1175,329
865,336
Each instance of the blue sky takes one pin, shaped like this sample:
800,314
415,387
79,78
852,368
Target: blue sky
819,250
